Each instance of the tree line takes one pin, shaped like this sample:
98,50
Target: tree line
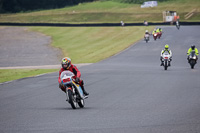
13,6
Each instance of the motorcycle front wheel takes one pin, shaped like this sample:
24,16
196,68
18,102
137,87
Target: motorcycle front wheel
72,99
192,63
165,65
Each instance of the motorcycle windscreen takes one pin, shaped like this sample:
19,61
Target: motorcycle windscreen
66,73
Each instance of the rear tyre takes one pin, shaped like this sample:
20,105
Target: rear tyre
81,103
72,99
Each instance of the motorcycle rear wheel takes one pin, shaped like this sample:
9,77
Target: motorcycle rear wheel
81,103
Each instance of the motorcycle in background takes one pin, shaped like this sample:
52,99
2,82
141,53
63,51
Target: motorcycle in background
146,37
74,92
155,35
177,25
192,59
166,60
159,35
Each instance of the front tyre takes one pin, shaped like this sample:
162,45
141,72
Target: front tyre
192,63
165,65
72,99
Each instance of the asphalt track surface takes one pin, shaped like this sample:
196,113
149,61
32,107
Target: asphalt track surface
20,47
129,92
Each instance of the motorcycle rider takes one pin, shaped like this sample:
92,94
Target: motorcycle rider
146,33
170,53
154,31
159,30
190,50
67,65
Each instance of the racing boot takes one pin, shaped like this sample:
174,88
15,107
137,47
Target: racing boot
162,64
85,92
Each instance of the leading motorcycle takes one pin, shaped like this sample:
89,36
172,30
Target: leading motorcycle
192,59
74,91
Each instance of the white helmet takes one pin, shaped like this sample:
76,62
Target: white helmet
146,31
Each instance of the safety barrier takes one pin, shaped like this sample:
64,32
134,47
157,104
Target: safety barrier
92,25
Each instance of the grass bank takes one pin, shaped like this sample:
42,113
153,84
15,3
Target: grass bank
7,74
82,45
107,12
92,44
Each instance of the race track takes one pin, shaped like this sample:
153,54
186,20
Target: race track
129,93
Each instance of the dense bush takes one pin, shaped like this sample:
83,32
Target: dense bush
26,5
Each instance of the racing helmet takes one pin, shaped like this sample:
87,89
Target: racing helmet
193,47
146,31
166,46
66,63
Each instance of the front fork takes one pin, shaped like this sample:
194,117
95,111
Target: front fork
68,88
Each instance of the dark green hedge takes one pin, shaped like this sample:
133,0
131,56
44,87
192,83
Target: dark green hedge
27,5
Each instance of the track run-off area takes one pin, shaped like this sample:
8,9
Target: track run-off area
129,92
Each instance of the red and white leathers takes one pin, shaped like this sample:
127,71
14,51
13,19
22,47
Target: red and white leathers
76,72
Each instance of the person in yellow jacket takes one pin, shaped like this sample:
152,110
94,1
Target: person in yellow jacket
192,49
159,30
154,31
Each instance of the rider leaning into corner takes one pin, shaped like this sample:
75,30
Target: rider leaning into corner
67,65
162,52
190,50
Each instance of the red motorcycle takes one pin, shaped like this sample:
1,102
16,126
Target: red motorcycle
155,35
159,34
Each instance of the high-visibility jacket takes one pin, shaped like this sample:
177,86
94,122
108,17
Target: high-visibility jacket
169,51
153,32
190,50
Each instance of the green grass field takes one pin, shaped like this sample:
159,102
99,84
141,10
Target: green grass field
83,45
92,44
13,74
107,12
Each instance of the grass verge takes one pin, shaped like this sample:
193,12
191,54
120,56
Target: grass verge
92,44
13,74
82,45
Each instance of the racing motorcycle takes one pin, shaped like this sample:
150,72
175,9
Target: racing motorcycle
177,25
155,35
166,60
192,59
159,35
146,37
74,92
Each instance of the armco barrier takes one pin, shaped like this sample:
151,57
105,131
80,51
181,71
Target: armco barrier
92,25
